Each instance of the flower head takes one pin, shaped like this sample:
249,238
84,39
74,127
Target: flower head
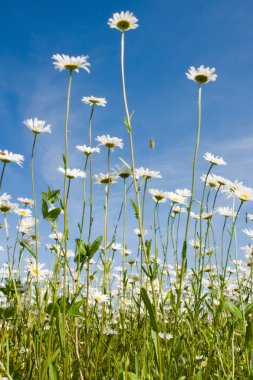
202,74
158,195
93,100
37,126
7,157
110,142
123,21
146,173
87,149
72,173
215,160
226,212
63,61
26,201
103,179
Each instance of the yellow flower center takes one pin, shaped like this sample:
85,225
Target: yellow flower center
22,212
244,197
35,271
71,66
123,25
201,78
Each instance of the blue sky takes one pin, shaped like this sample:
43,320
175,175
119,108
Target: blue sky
172,37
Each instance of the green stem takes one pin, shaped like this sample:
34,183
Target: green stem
91,179
2,174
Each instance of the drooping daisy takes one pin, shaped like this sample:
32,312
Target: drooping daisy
117,247
105,178
110,142
37,126
124,172
215,160
93,100
7,157
87,149
123,21
210,180
147,173
159,196
202,74
195,243
72,173
62,61
58,236
226,211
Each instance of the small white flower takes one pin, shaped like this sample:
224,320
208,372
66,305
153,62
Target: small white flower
72,173
178,209
71,63
159,196
215,160
37,126
195,243
147,173
87,149
7,157
184,192
123,21
110,142
202,74
226,211
117,247
175,198
100,297
23,212
248,232
105,178
93,100
26,201
167,336
138,232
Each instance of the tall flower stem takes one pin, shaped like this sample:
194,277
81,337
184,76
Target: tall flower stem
91,179
2,174
34,200
84,198
65,222
128,120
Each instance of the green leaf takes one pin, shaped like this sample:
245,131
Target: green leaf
53,214
47,363
59,327
248,309
233,309
95,246
149,306
135,208
44,208
52,372
74,309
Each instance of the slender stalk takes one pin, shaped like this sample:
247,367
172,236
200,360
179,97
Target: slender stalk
2,174
91,179
65,223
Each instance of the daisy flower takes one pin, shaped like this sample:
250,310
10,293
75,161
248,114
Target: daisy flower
58,236
7,157
36,271
62,61
202,74
93,100
250,217
124,172
87,149
178,209
37,126
26,201
184,192
248,232
123,21
175,198
72,173
226,211
110,142
100,297
23,212
215,160
210,180
117,247
159,196
146,173
6,205
239,191
26,224
138,232
195,243
105,178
